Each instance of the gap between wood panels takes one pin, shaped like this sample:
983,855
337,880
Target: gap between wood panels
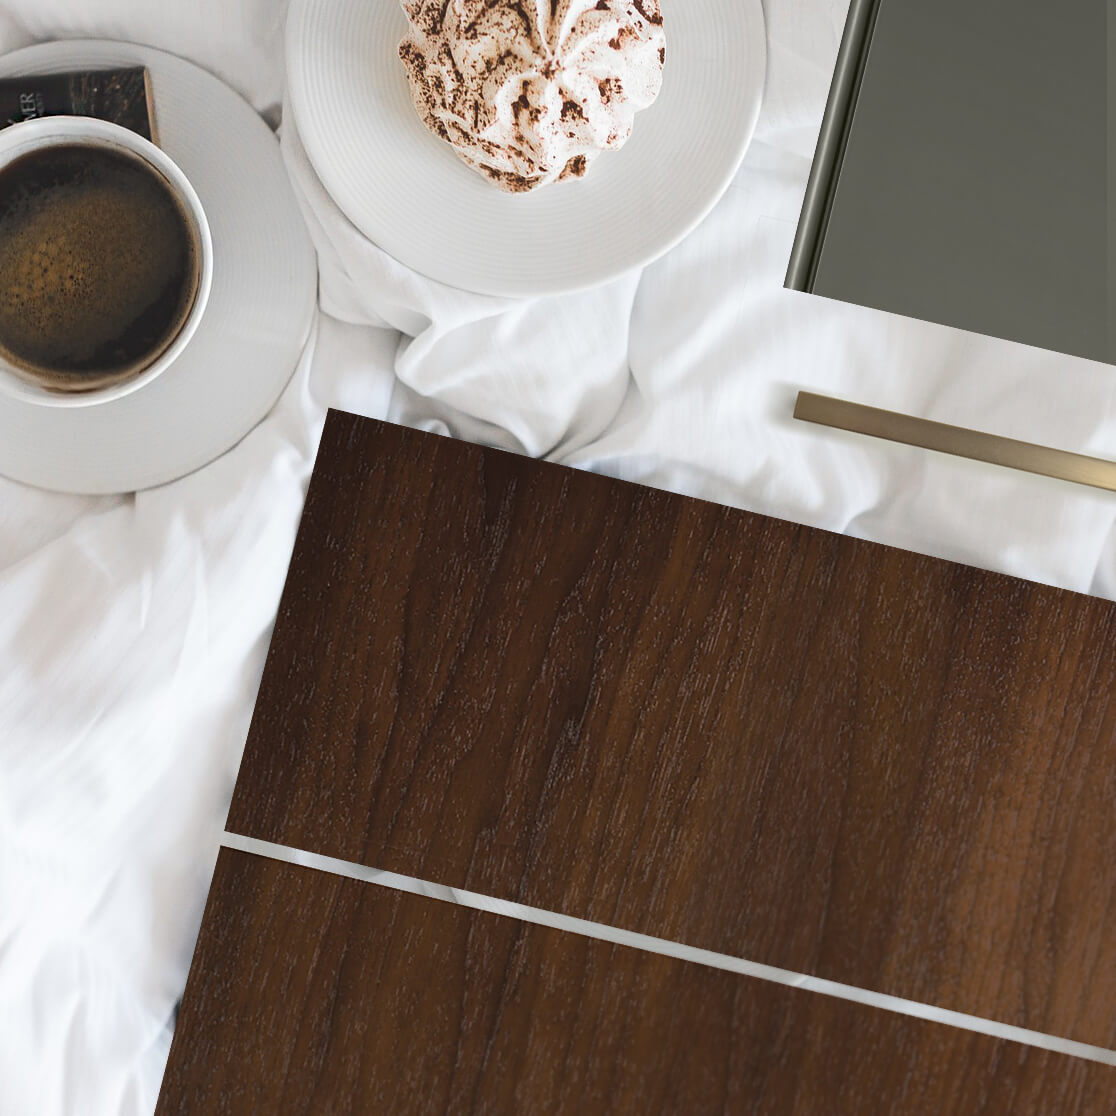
600,931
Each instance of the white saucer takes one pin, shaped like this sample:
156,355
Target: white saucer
256,323
408,192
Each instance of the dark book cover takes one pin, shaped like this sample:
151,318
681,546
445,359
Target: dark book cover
120,96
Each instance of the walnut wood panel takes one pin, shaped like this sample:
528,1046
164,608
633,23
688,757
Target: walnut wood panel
713,727
311,994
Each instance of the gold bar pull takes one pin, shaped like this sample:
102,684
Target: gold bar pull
976,445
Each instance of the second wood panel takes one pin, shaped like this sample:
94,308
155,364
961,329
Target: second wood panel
312,994
670,716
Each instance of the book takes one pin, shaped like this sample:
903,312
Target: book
121,96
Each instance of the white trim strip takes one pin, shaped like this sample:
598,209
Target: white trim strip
667,948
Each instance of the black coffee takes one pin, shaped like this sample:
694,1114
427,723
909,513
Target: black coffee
98,265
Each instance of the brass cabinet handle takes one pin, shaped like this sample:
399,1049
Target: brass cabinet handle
977,445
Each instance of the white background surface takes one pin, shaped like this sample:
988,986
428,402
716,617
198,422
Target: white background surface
133,629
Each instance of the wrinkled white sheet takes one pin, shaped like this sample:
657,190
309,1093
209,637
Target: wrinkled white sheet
133,629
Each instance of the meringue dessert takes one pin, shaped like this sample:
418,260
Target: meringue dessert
530,92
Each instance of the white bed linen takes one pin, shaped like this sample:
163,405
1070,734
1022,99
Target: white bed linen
133,629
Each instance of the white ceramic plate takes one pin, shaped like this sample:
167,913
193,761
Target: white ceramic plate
408,192
256,323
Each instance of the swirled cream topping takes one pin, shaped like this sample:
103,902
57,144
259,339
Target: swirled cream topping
530,92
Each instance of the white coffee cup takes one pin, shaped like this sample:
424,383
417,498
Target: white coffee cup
31,135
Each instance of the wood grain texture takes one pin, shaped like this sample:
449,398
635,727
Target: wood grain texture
312,994
709,726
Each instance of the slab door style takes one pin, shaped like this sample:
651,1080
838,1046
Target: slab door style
717,728
963,173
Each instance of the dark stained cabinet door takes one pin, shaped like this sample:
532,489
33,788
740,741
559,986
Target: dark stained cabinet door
701,724
316,995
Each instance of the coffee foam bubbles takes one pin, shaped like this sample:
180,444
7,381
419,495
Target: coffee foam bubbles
85,254
531,91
